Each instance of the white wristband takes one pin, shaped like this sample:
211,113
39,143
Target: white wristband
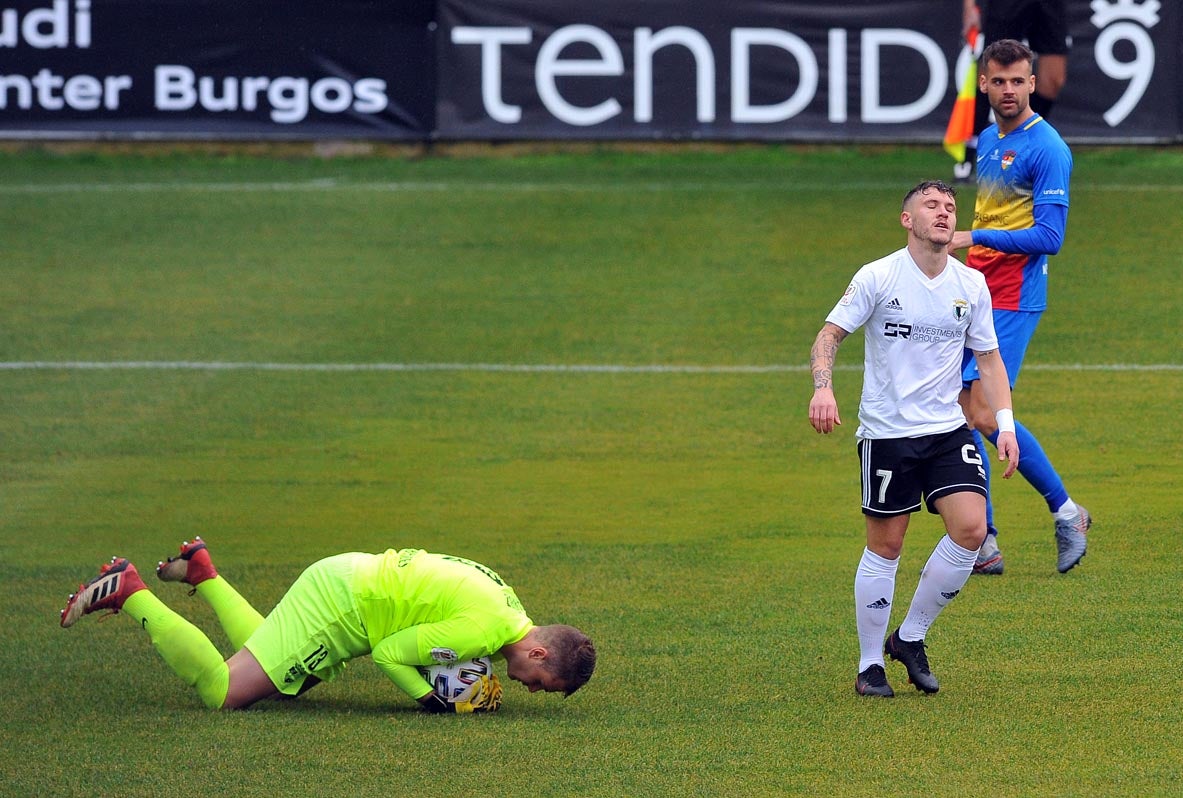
1006,420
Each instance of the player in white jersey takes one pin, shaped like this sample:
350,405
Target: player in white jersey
921,308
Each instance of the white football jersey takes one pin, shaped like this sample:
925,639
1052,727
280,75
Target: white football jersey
917,330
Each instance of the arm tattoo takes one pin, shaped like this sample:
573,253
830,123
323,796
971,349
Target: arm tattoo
821,357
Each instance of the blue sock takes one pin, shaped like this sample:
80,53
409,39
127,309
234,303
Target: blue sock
1037,469
985,455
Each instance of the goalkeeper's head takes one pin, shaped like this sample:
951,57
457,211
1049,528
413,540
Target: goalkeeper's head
555,658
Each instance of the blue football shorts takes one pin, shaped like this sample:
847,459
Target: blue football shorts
1015,329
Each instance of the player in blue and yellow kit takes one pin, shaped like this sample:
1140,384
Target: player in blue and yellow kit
404,608
1020,219
1043,25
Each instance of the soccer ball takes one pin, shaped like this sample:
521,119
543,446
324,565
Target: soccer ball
452,680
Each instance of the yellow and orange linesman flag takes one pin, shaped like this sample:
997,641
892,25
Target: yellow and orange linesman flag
961,122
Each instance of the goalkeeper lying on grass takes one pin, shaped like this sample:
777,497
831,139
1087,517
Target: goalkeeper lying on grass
404,608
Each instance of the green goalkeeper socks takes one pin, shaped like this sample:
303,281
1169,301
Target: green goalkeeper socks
183,647
238,618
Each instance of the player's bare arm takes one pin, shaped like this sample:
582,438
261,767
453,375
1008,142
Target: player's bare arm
823,407
971,18
823,354
996,387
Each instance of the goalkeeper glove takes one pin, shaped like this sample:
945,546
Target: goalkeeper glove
483,695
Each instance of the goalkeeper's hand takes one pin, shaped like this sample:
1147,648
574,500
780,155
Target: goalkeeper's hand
484,695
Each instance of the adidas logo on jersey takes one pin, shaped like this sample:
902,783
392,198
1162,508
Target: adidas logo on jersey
894,304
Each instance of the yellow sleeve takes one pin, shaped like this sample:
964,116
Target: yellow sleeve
397,656
452,640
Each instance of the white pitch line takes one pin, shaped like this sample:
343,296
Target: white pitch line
429,186
576,368
401,186
589,368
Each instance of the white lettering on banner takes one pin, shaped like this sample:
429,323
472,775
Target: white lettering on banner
646,43
742,40
838,110
47,28
53,92
549,66
60,25
66,24
938,75
490,40
1137,18
179,88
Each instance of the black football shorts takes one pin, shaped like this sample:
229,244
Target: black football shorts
897,473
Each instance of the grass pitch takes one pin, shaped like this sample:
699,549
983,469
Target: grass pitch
588,371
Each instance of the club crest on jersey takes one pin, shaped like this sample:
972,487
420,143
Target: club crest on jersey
444,656
960,309
1008,158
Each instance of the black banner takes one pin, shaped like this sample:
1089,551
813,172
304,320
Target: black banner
200,68
1125,72
756,69
849,70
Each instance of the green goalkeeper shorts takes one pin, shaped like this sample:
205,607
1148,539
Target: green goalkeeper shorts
314,629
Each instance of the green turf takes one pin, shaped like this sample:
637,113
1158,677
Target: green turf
692,522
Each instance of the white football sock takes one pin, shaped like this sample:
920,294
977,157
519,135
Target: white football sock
874,589
945,573
1067,511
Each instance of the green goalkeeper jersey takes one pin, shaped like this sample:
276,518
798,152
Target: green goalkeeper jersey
420,608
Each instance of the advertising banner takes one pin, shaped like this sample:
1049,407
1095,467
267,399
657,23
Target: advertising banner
756,69
422,70
1125,72
200,68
